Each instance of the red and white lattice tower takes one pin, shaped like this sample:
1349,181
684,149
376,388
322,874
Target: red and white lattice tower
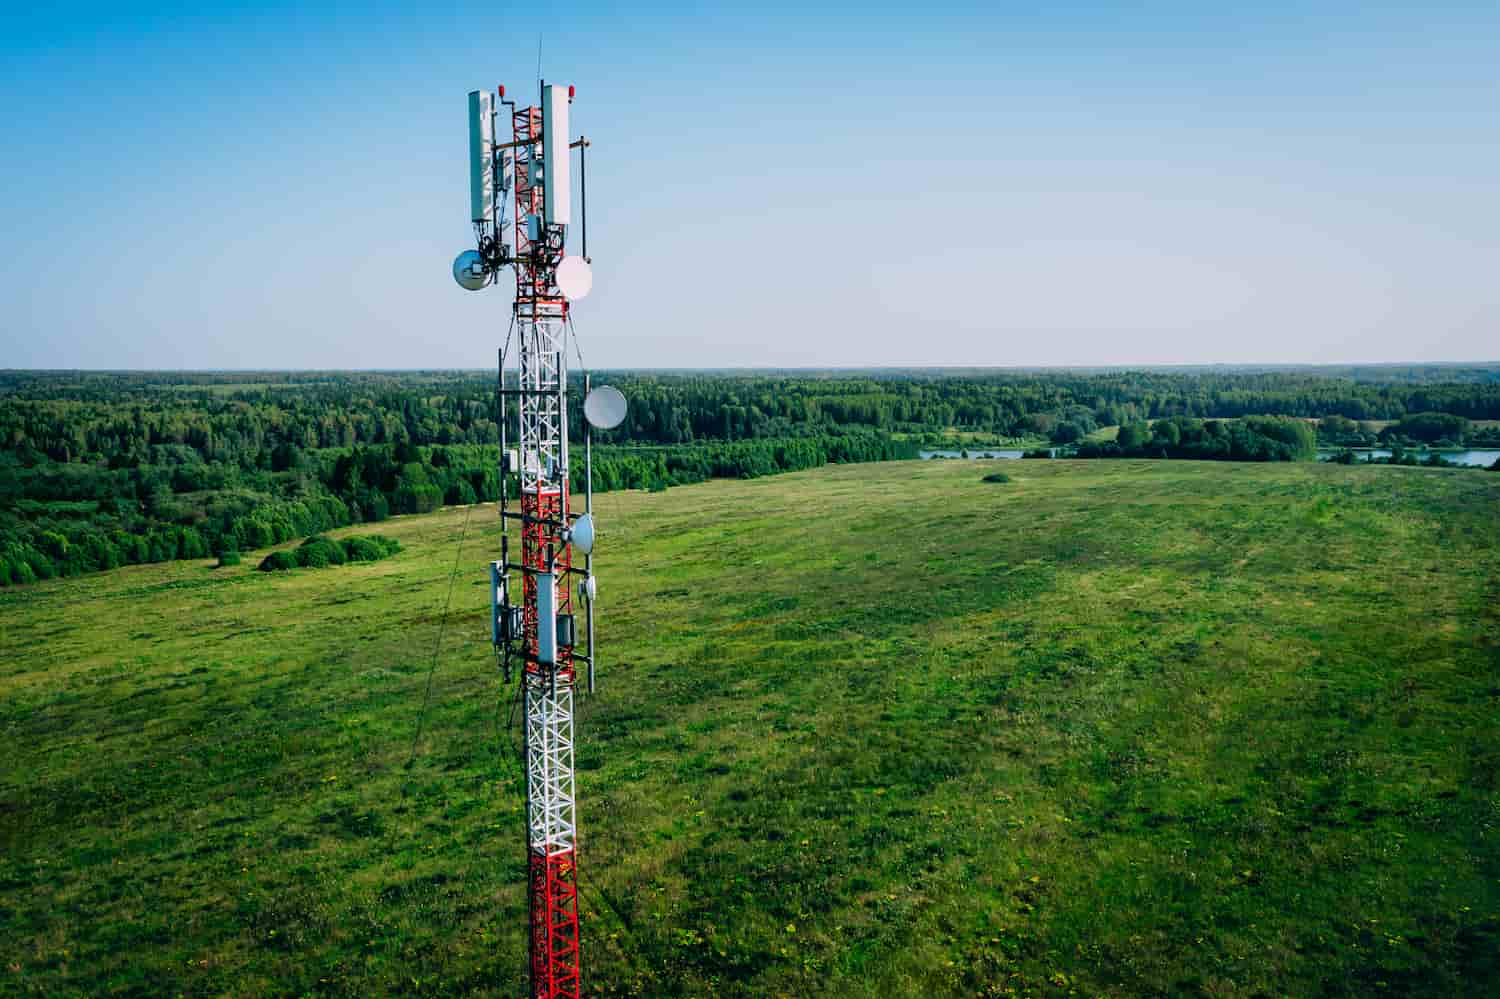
541,315
540,632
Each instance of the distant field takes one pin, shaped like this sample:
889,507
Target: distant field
1112,727
1108,433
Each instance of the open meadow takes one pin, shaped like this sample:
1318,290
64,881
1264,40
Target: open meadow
1117,728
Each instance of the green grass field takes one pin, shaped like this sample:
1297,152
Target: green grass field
1110,728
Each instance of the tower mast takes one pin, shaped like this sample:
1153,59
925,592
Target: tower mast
540,632
541,314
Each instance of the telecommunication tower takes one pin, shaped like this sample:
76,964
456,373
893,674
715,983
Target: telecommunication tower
539,633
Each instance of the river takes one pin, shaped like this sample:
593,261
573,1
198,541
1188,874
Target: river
1482,457
984,452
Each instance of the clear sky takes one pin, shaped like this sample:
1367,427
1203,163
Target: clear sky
774,185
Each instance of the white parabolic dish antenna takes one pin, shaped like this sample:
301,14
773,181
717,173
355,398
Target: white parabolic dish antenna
574,277
582,534
604,408
468,271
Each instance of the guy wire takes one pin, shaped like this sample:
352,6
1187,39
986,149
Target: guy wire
438,645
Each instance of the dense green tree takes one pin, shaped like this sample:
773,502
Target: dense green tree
106,469
1297,435
1133,435
1427,428
1167,433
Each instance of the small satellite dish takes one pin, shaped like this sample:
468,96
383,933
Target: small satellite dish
604,408
574,277
582,534
469,272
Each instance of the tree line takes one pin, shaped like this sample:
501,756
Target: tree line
120,418
68,520
100,469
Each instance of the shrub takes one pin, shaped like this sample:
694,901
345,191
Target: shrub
318,552
228,556
362,549
996,477
370,547
278,562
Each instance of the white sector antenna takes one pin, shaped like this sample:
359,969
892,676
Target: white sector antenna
468,270
574,277
557,194
481,156
604,408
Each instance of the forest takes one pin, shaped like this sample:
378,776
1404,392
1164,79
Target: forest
101,469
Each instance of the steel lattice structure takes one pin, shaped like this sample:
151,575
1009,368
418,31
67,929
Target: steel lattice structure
539,632
541,315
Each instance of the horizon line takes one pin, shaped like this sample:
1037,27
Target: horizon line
792,368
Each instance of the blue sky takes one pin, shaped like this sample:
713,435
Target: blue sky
781,185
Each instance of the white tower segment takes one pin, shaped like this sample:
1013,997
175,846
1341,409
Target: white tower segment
543,380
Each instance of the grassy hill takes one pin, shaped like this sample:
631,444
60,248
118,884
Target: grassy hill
1124,728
